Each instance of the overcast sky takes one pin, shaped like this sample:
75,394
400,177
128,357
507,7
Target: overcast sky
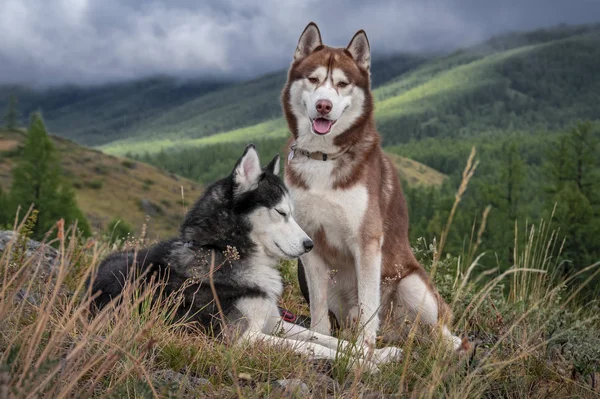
95,41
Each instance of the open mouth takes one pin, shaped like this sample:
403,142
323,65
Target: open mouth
322,126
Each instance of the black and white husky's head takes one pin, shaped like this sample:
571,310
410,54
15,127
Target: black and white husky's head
250,210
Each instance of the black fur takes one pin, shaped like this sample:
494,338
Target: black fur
217,222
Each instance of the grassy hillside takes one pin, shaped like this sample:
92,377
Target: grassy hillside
101,114
539,80
165,107
207,161
546,85
244,104
545,78
107,186
416,173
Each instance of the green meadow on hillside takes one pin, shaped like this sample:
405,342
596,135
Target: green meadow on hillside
536,83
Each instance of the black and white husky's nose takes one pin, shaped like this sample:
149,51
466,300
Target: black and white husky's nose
308,245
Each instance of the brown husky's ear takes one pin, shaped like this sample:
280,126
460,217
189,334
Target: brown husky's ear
310,39
360,49
273,166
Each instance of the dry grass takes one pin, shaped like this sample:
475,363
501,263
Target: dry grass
8,145
416,173
462,188
49,346
531,338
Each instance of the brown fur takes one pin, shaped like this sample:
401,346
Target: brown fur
364,163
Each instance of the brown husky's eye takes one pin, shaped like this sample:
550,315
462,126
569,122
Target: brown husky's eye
313,80
341,85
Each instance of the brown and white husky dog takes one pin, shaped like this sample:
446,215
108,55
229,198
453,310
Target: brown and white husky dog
348,199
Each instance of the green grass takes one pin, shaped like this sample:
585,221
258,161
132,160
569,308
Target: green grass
265,130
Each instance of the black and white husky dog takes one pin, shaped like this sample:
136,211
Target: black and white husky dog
245,221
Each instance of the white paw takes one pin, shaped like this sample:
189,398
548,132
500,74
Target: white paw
456,342
367,338
461,346
365,341
370,366
387,354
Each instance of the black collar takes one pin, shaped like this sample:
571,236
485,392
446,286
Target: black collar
317,155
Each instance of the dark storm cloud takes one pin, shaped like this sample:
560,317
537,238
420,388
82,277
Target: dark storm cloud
89,41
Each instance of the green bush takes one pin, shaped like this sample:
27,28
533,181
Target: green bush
128,164
118,230
95,184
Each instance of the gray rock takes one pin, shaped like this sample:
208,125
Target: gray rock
292,386
42,253
150,208
325,384
30,297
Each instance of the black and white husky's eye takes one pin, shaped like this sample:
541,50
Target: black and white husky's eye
282,213
313,80
342,84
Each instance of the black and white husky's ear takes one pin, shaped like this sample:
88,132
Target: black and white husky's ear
247,170
360,49
273,166
309,40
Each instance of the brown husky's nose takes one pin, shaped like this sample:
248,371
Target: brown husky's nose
324,107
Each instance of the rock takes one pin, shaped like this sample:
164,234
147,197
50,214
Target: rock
47,255
150,208
31,298
324,385
291,386
186,382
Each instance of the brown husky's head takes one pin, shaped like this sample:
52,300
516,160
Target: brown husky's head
327,95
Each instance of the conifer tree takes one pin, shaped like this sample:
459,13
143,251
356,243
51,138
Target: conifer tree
12,114
573,171
4,215
36,180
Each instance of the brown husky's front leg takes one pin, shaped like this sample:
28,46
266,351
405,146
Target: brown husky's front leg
368,276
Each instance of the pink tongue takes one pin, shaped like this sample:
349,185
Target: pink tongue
322,125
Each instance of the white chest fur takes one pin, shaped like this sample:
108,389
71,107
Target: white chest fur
339,212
